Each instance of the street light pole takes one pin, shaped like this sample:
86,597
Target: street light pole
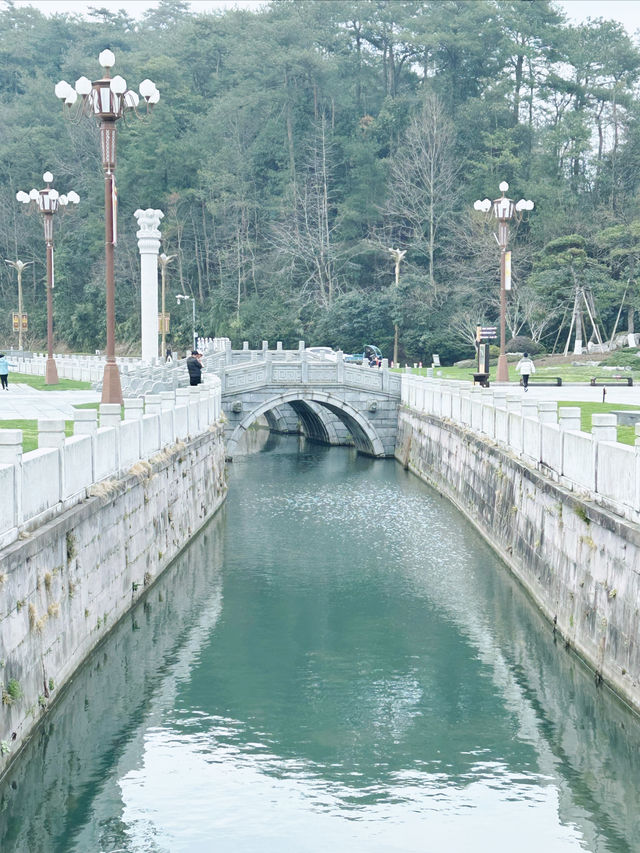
164,260
48,201
504,210
107,100
397,255
19,267
179,298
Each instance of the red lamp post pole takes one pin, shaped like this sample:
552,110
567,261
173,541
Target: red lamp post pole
111,387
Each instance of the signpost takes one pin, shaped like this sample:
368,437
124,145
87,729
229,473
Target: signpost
483,334
166,316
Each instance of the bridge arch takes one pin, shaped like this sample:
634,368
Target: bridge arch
365,437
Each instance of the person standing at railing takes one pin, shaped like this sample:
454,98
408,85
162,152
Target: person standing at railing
4,371
194,366
525,367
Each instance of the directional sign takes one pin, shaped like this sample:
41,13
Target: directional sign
484,333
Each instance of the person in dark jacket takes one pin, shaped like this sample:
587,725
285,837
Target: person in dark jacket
194,366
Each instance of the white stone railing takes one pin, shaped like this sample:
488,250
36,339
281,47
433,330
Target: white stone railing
63,470
87,368
306,370
542,436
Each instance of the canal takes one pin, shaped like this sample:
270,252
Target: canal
337,662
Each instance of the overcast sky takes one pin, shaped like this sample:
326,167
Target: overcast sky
625,11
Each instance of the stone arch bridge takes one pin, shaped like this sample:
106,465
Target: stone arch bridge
330,402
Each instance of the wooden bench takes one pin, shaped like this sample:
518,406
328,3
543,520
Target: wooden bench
612,380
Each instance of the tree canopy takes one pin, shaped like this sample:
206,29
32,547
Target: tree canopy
295,144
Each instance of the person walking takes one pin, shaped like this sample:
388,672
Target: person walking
4,371
194,366
525,368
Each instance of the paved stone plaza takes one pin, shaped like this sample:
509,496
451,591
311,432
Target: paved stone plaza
24,402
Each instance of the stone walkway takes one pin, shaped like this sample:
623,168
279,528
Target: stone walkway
24,402
616,394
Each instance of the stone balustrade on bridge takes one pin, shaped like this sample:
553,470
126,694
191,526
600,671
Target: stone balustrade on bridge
328,400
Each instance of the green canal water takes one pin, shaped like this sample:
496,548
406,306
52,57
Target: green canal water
338,662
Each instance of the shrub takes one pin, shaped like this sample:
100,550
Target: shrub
523,344
623,358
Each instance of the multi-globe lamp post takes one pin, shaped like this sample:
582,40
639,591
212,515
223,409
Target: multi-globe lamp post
48,202
504,211
107,100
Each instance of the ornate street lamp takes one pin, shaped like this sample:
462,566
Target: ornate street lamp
19,267
179,298
163,260
504,210
107,100
48,202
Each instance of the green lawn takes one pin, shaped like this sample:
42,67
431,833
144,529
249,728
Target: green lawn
38,383
30,431
626,434
30,427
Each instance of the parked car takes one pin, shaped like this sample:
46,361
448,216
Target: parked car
323,352
371,355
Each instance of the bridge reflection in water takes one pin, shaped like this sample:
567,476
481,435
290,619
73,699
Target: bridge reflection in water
339,661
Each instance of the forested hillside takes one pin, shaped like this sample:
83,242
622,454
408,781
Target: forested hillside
293,146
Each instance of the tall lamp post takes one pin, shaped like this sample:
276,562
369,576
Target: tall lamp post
504,210
397,255
179,298
19,268
48,201
107,100
164,260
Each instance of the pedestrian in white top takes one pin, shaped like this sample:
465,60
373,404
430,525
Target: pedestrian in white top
525,367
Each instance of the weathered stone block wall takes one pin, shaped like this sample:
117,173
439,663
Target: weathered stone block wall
65,586
580,563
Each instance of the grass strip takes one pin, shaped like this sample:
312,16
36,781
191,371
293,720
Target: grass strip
38,383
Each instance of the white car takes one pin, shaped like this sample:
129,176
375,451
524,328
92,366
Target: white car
323,352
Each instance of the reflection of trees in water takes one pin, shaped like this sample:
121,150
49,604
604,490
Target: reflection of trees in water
54,786
593,740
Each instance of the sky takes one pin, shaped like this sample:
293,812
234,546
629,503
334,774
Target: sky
625,11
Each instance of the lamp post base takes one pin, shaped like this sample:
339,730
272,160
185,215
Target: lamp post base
51,372
111,388
502,374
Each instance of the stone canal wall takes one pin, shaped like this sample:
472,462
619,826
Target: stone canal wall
64,586
579,561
